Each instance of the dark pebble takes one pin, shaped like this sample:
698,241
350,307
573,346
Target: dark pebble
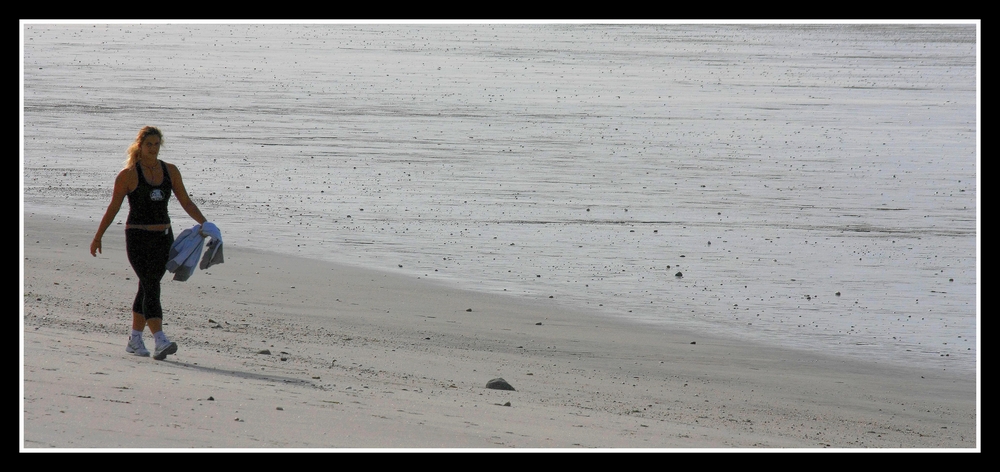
499,384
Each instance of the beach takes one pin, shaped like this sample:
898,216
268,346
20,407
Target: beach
815,185
663,236
367,359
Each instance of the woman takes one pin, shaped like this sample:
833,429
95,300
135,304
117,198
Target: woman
147,182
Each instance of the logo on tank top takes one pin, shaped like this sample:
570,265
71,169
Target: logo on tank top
156,195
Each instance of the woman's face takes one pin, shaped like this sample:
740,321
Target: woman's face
150,146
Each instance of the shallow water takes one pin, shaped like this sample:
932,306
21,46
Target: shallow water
815,185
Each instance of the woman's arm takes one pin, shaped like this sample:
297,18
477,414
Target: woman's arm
123,186
182,195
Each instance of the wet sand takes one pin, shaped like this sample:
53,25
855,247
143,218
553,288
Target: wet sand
815,184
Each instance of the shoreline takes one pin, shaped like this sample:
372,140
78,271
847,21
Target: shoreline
365,359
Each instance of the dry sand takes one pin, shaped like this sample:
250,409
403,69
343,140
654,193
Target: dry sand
362,359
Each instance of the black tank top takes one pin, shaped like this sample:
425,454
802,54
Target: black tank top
148,203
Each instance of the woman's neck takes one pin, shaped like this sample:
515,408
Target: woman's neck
148,163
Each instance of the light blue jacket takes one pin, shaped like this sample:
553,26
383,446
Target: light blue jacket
186,250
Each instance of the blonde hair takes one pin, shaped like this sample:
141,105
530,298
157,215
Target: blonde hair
134,149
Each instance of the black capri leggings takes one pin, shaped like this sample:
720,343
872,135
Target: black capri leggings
148,252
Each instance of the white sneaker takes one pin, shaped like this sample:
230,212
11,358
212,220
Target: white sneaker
136,346
163,348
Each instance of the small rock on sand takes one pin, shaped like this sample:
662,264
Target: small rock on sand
499,384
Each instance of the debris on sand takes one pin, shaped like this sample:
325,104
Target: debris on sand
499,384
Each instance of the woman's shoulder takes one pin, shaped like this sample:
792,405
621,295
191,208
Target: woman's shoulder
127,179
128,174
171,169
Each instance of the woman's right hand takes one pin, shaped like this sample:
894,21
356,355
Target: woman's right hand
95,247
